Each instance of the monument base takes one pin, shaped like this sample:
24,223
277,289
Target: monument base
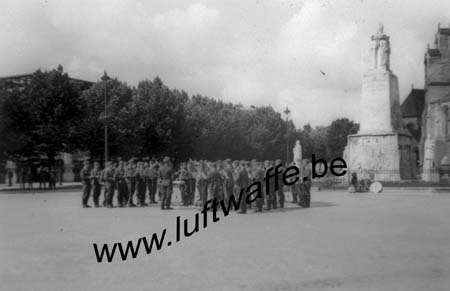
380,157
68,174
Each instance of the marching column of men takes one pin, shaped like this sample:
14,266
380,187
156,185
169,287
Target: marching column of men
221,180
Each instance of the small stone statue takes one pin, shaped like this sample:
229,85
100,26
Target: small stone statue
297,153
380,49
380,29
373,53
383,55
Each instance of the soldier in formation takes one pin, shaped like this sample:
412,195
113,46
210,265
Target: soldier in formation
220,180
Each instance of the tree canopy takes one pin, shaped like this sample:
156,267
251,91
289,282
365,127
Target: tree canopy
41,116
49,114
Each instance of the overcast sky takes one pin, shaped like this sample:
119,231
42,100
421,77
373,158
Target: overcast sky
245,51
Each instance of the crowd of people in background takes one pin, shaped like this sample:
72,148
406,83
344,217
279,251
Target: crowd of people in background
138,183
45,176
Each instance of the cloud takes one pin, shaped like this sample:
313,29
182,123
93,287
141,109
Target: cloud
306,55
195,19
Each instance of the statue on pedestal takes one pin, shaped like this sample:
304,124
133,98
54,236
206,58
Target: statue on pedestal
297,153
68,175
380,50
383,55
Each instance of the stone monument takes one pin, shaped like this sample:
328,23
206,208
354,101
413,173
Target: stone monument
68,175
297,153
381,150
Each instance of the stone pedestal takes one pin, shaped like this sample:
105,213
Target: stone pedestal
11,167
68,175
380,108
381,157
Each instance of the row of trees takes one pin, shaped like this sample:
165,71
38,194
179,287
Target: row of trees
49,114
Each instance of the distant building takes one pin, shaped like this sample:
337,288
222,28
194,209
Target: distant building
412,111
435,137
66,162
425,112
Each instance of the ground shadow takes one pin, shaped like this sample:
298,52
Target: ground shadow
322,204
295,207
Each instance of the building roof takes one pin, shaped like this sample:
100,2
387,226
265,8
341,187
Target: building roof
414,104
434,53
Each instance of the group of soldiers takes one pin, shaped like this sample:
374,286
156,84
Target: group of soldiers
220,180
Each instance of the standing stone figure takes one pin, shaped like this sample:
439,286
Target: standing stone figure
297,153
373,53
383,54
380,50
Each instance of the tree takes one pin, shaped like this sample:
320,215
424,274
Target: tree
120,119
336,138
40,117
162,119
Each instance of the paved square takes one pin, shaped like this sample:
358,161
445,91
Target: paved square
397,240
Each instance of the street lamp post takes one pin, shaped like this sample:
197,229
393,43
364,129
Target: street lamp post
287,112
104,79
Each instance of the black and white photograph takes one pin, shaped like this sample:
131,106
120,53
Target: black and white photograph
251,145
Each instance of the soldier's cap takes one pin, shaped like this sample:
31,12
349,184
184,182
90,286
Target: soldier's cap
254,161
166,160
278,161
228,160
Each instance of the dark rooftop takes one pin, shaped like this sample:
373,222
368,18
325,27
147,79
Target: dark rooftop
434,53
414,104
445,31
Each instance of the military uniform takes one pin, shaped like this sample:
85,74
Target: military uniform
130,176
202,181
141,187
184,186
242,183
85,175
191,185
228,184
215,185
109,178
151,175
96,185
280,191
271,201
166,176
305,195
258,175
121,185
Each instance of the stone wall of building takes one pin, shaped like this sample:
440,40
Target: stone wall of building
435,141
